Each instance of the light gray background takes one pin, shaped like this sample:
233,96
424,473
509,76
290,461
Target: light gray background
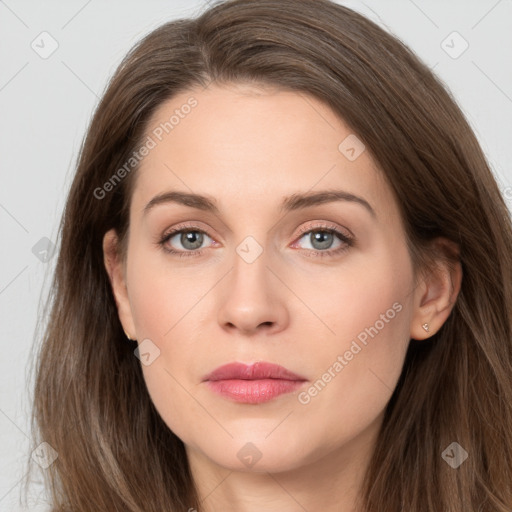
46,104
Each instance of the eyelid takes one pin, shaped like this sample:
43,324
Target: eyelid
327,225
186,226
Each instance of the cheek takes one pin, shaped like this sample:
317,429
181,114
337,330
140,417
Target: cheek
160,296
356,377
376,315
162,304
368,299
357,370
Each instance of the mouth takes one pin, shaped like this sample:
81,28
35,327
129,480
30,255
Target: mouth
253,384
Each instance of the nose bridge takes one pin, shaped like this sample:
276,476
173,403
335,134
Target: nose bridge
253,229
251,236
254,260
250,263
250,250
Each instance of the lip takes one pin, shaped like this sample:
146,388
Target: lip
255,383
254,371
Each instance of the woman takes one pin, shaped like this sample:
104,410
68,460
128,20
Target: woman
199,356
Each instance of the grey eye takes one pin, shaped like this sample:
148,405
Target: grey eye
190,240
320,239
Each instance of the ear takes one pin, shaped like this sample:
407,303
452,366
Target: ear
437,291
117,275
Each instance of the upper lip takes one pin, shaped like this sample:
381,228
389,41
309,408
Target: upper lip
255,371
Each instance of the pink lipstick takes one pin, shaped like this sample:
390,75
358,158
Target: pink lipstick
253,384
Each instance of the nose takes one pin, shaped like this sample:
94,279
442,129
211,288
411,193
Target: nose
254,299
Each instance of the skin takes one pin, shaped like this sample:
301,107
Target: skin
249,147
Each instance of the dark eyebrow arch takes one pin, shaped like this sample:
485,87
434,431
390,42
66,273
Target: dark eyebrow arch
298,201
291,203
187,199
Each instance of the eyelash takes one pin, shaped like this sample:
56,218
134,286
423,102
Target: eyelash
347,240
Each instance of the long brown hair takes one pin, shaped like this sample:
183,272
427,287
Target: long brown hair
91,404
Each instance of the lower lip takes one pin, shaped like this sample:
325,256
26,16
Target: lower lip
253,391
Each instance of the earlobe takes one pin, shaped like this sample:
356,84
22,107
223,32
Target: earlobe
115,271
437,293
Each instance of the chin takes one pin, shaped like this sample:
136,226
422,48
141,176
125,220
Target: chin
255,454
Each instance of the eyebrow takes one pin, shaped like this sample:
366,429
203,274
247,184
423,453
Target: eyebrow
290,203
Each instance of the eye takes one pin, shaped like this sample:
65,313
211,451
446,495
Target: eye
322,238
191,240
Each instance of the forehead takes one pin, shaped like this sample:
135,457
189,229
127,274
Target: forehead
245,144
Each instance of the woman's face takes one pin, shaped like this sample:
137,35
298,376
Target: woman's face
269,268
